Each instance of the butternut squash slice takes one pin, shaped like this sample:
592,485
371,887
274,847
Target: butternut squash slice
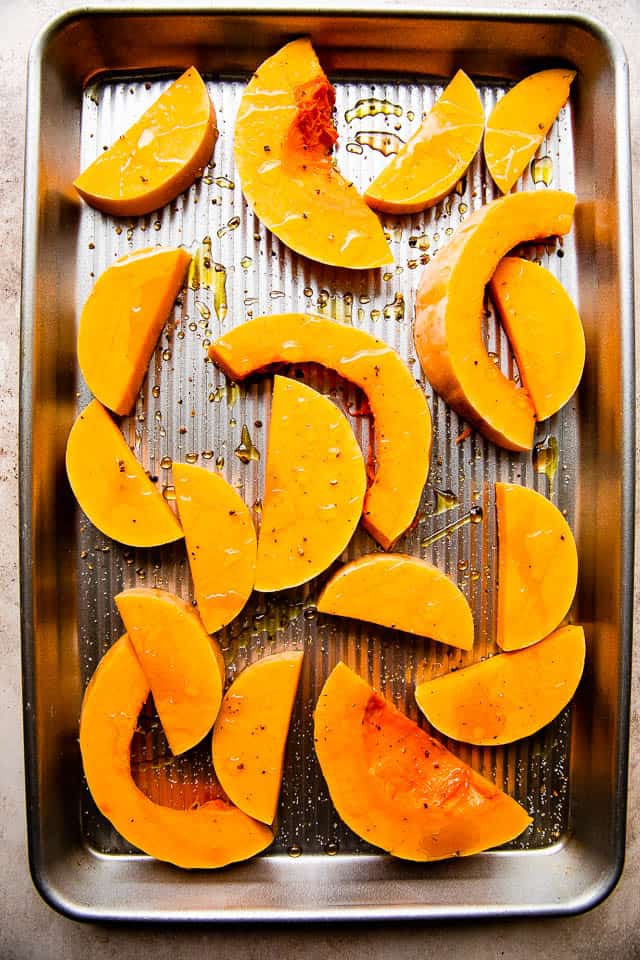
402,420
159,156
314,487
429,165
537,566
182,663
520,121
507,697
221,543
111,486
283,139
544,330
399,788
250,734
121,322
401,592
448,324
211,835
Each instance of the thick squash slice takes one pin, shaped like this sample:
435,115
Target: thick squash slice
182,663
448,324
159,156
250,734
401,416
544,331
283,139
211,835
429,165
537,566
509,696
403,593
221,543
121,322
396,786
111,486
314,487
520,121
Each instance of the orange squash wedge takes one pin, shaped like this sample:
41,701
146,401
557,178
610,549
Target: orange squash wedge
507,697
544,330
402,420
159,156
182,663
221,543
399,788
250,734
111,486
211,835
448,324
537,566
314,487
520,121
401,592
121,322
283,139
429,165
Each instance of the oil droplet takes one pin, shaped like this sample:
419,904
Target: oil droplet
245,451
257,507
130,233
545,457
191,458
371,107
156,390
224,182
141,573
203,310
207,454
166,463
385,143
412,264
220,463
231,224
220,292
363,298
169,492
308,292
331,849
353,147
493,357
448,232
118,229
295,851
360,314
166,354
276,294
462,208
473,516
232,392
201,267
542,170
445,500
157,225
462,565
460,187
310,612
375,314
246,262
158,415
387,275
395,309
421,241
475,575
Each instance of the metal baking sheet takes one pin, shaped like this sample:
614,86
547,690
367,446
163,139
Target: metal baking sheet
571,775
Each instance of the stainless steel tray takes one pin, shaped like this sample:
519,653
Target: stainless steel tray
91,72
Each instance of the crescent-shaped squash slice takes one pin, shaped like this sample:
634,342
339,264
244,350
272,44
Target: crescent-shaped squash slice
315,483
544,330
250,734
121,322
429,165
537,566
182,663
283,138
402,420
221,543
396,786
111,486
507,697
401,592
520,121
211,835
448,324
159,156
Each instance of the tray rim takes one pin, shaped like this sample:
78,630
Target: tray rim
590,897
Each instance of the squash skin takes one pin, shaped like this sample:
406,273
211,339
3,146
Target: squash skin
537,566
211,835
315,482
507,697
436,156
111,486
399,788
250,734
183,665
403,593
283,137
402,420
520,121
122,320
544,330
449,303
221,543
184,121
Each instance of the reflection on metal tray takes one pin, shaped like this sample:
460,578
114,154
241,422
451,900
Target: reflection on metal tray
570,775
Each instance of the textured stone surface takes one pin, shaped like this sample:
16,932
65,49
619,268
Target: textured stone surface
28,928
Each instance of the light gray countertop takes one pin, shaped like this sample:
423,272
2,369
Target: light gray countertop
29,928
